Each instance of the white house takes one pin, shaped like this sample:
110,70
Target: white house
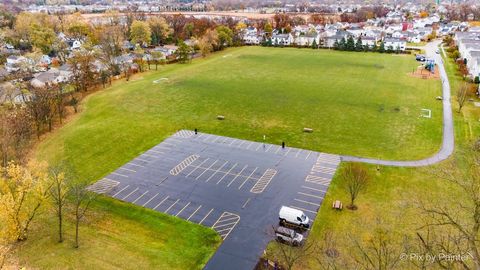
395,44
282,39
252,39
15,63
307,40
50,77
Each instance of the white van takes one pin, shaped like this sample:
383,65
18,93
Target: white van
293,216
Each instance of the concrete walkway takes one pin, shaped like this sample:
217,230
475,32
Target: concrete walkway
448,143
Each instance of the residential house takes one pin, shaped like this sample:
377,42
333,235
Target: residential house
50,77
307,39
282,39
395,44
15,63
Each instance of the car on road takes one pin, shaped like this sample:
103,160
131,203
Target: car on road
286,235
288,215
420,57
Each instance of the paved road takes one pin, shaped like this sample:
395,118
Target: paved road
448,143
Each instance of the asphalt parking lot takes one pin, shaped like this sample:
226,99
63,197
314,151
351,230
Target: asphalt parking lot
234,186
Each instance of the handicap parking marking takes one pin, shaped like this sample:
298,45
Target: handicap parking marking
184,164
103,186
264,180
225,224
154,196
318,180
160,203
270,146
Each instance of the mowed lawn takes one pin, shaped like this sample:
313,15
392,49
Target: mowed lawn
118,235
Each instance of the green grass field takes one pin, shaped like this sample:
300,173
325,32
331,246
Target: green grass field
390,199
117,235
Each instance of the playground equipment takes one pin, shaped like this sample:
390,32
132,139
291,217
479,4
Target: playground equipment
430,65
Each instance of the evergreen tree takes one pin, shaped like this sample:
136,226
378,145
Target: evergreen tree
382,47
336,45
359,45
350,44
343,44
314,44
374,47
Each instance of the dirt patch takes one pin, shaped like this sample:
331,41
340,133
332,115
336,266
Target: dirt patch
422,73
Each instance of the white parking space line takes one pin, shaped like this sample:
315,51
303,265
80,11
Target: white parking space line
278,149
288,151
247,178
216,171
249,145
136,165
203,219
309,153
227,173
140,197
314,189
129,194
144,160
149,155
310,195
238,174
115,195
150,199
161,202
232,142
259,145
158,152
166,211
300,150
206,169
182,209
241,143
302,201
119,174
125,169
303,209
195,168
194,212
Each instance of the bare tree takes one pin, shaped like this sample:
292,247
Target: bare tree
459,217
81,199
58,193
462,94
289,256
379,252
355,179
328,256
